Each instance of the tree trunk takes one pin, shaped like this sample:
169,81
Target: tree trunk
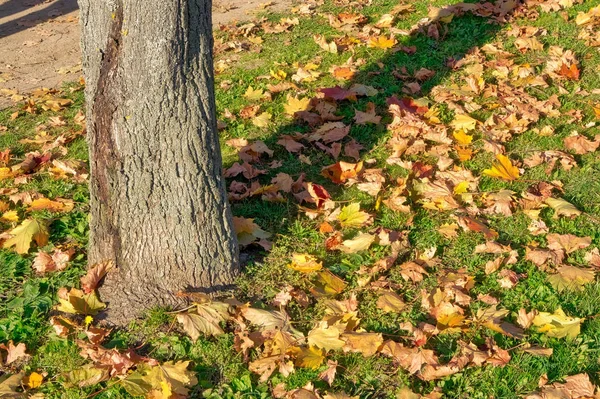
158,203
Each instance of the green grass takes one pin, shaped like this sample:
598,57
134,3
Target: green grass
27,299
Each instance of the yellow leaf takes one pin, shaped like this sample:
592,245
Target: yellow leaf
464,153
195,325
279,74
76,302
359,243
352,216
462,138
53,206
305,263
461,187
390,302
325,337
558,324
168,379
33,380
10,216
294,105
381,42
311,357
252,94
5,173
571,277
27,231
503,169
262,120
562,207
463,122
362,342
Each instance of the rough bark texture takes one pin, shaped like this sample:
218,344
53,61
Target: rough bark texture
158,201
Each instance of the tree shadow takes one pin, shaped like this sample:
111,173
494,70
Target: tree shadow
438,45
11,7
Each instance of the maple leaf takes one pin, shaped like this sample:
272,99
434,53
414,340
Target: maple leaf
305,263
33,380
77,302
571,277
169,380
351,216
469,223
270,320
195,325
580,144
360,242
569,71
318,194
87,375
362,342
567,242
558,324
462,138
311,357
28,230
369,116
327,46
525,319
503,169
295,104
253,95
247,231
341,171
14,352
562,207
90,281
96,335
381,42
390,302
463,122
290,143
411,359
327,283
9,385
262,120
44,262
62,205
325,337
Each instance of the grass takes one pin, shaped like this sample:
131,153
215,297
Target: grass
26,298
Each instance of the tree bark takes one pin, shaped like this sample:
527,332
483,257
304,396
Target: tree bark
158,202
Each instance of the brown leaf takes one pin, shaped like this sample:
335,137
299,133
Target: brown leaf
328,375
581,144
90,281
567,242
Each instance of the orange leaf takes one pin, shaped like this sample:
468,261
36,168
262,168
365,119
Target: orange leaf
341,171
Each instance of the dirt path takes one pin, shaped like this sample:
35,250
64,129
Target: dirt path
39,41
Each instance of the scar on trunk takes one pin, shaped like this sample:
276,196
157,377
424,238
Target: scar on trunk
104,110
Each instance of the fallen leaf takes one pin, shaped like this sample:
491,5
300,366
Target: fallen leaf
305,263
558,324
28,230
352,217
95,274
503,169
77,302
359,243
562,207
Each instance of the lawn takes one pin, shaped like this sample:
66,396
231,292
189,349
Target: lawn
416,189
